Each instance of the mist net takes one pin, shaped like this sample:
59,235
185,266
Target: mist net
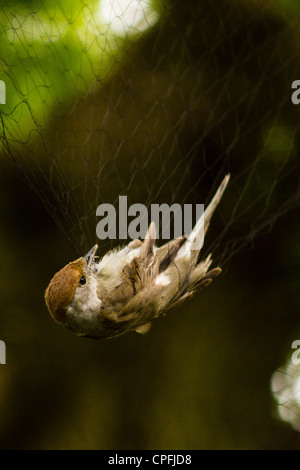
156,100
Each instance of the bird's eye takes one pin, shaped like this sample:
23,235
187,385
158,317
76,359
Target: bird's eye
82,280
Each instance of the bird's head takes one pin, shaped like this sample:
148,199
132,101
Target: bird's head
71,296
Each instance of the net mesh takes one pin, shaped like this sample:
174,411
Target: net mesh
154,100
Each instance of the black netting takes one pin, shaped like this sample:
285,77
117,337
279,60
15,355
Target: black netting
156,101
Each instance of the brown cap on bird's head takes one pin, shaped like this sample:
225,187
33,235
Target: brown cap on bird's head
60,292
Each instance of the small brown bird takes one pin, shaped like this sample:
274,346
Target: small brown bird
129,287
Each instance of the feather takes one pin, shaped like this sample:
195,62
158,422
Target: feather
147,251
143,329
166,254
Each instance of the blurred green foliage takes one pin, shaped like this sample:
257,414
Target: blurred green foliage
50,53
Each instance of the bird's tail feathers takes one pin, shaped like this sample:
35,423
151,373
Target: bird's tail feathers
195,239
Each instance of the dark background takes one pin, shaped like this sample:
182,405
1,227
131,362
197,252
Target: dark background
200,91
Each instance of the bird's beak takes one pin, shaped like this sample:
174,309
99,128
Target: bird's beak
89,257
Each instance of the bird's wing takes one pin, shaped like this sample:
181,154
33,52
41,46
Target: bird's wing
137,299
160,280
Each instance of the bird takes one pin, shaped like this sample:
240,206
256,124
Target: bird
131,286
